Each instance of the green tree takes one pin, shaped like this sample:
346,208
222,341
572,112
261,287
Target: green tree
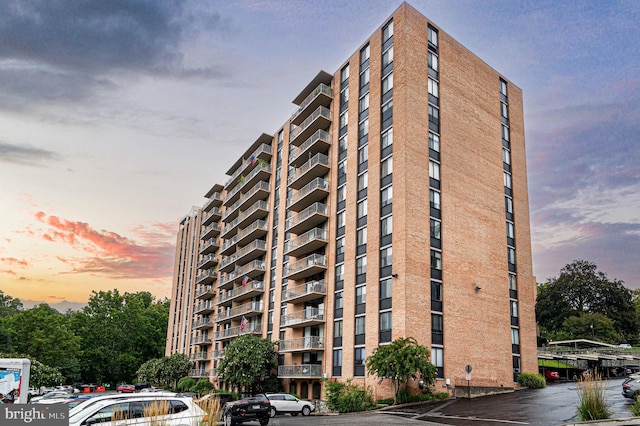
400,361
40,374
247,362
589,326
582,289
164,371
9,305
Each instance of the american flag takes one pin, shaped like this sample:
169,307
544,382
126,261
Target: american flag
245,280
243,323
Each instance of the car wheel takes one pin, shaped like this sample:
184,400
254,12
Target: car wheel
272,412
228,420
264,421
306,410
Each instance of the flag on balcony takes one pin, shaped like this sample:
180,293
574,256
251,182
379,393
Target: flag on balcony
253,160
245,280
243,323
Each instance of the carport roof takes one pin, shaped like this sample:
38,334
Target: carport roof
581,344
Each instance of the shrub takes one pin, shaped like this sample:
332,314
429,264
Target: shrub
635,409
203,385
531,381
593,404
185,384
387,401
348,397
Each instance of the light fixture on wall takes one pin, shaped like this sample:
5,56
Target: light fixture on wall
478,288
394,275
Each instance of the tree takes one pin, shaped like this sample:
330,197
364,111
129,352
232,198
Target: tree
582,289
247,362
40,374
9,305
164,371
400,361
589,326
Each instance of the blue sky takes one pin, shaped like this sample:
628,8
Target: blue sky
116,117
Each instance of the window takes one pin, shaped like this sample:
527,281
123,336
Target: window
515,336
342,168
344,74
344,96
344,119
340,246
364,54
337,328
386,257
386,288
386,196
361,236
387,31
508,205
434,170
435,228
511,255
510,230
513,282
436,291
504,110
387,112
514,309
364,78
364,103
503,87
361,296
387,57
342,193
432,86
339,304
337,357
387,138
363,181
433,61
386,167
362,208
434,142
436,260
363,152
363,128
434,114
340,272
359,357
342,144
436,323
434,199
385,321
505,133
507,180
361,265
432,35
386,226
387,83
341,217
506,156
437,357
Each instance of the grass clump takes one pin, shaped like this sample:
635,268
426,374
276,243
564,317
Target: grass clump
593,404
348,397
531,381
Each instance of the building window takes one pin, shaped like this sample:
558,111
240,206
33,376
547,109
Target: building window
361,236
434,199
511,255
361,265
386,226
365,54
507,180
514,309
436,323
436,291
503,88
358,362
342,144
505,133
339,300
363,181
385,327
337,328
387,31
341,219
437,359
433,61
386,196
515,336
387,83
434,170
344,74
508,205
364,103
434,142
434,114
506,156
504,110
510,230
387,57
344,120
361,296
432,87
362,208
386,167
342,168
342,194
337,363
435,228
340,272
513,282
363,152
364,78
386,286
436,260
386,257
363,128
340,246
432,35
387,138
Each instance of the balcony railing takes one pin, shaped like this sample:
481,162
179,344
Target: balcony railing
257,210
304,316
201,322
210,231
249,267
200,339
302,293
320,139
316,184
306,266
239,292
316,209
253,231
208,260
309,241
231,332
216,198
252,250
204,290
199,373
304,370
217,354
199,356
227,228
239,310
300,344
211,216
207,277
204,307
209,246
233,180
317,165
322,89
322,114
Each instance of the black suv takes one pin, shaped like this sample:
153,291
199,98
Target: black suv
247,409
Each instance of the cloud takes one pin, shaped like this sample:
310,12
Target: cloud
111,254
26,155
14,261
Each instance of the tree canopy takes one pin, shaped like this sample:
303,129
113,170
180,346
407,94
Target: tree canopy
566,303
248,362
400,361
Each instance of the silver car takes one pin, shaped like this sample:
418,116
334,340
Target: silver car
285,403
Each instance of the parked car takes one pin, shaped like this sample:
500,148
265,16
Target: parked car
246,410
51,397
140,410
125,388
74,400
631,388
88,404
285,403
551,375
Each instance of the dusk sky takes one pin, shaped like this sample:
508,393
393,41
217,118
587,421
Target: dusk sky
116,117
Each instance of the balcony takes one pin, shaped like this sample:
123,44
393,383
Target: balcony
202,323
257,211
302,344
318,142
257,229
253,250
229,246
199,373
205,292
207,262
215,200
217,354
263,152
229,229
210,231
322,95
238,294
207,277
310,265
209,246
199,356
308,242
247,310
259,192
227,281
231,212
305,292
320,119
314,191
259,174
204,308
313,215
228,263
212,216
300,371
250,270
201,339
304,318
230,333
317,166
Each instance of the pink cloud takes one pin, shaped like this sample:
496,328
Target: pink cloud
8,271
111,254
14,261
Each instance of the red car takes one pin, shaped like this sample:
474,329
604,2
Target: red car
126,388
552,375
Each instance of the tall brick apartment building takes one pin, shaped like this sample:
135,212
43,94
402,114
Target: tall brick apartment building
392,203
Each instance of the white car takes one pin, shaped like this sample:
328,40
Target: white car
85,405
285,403
140,411
51,397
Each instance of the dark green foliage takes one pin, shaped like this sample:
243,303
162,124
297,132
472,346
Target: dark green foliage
185,384
347,397
247,362
9,305
165,371
635,409
202,386
41,374
531,381
273,384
